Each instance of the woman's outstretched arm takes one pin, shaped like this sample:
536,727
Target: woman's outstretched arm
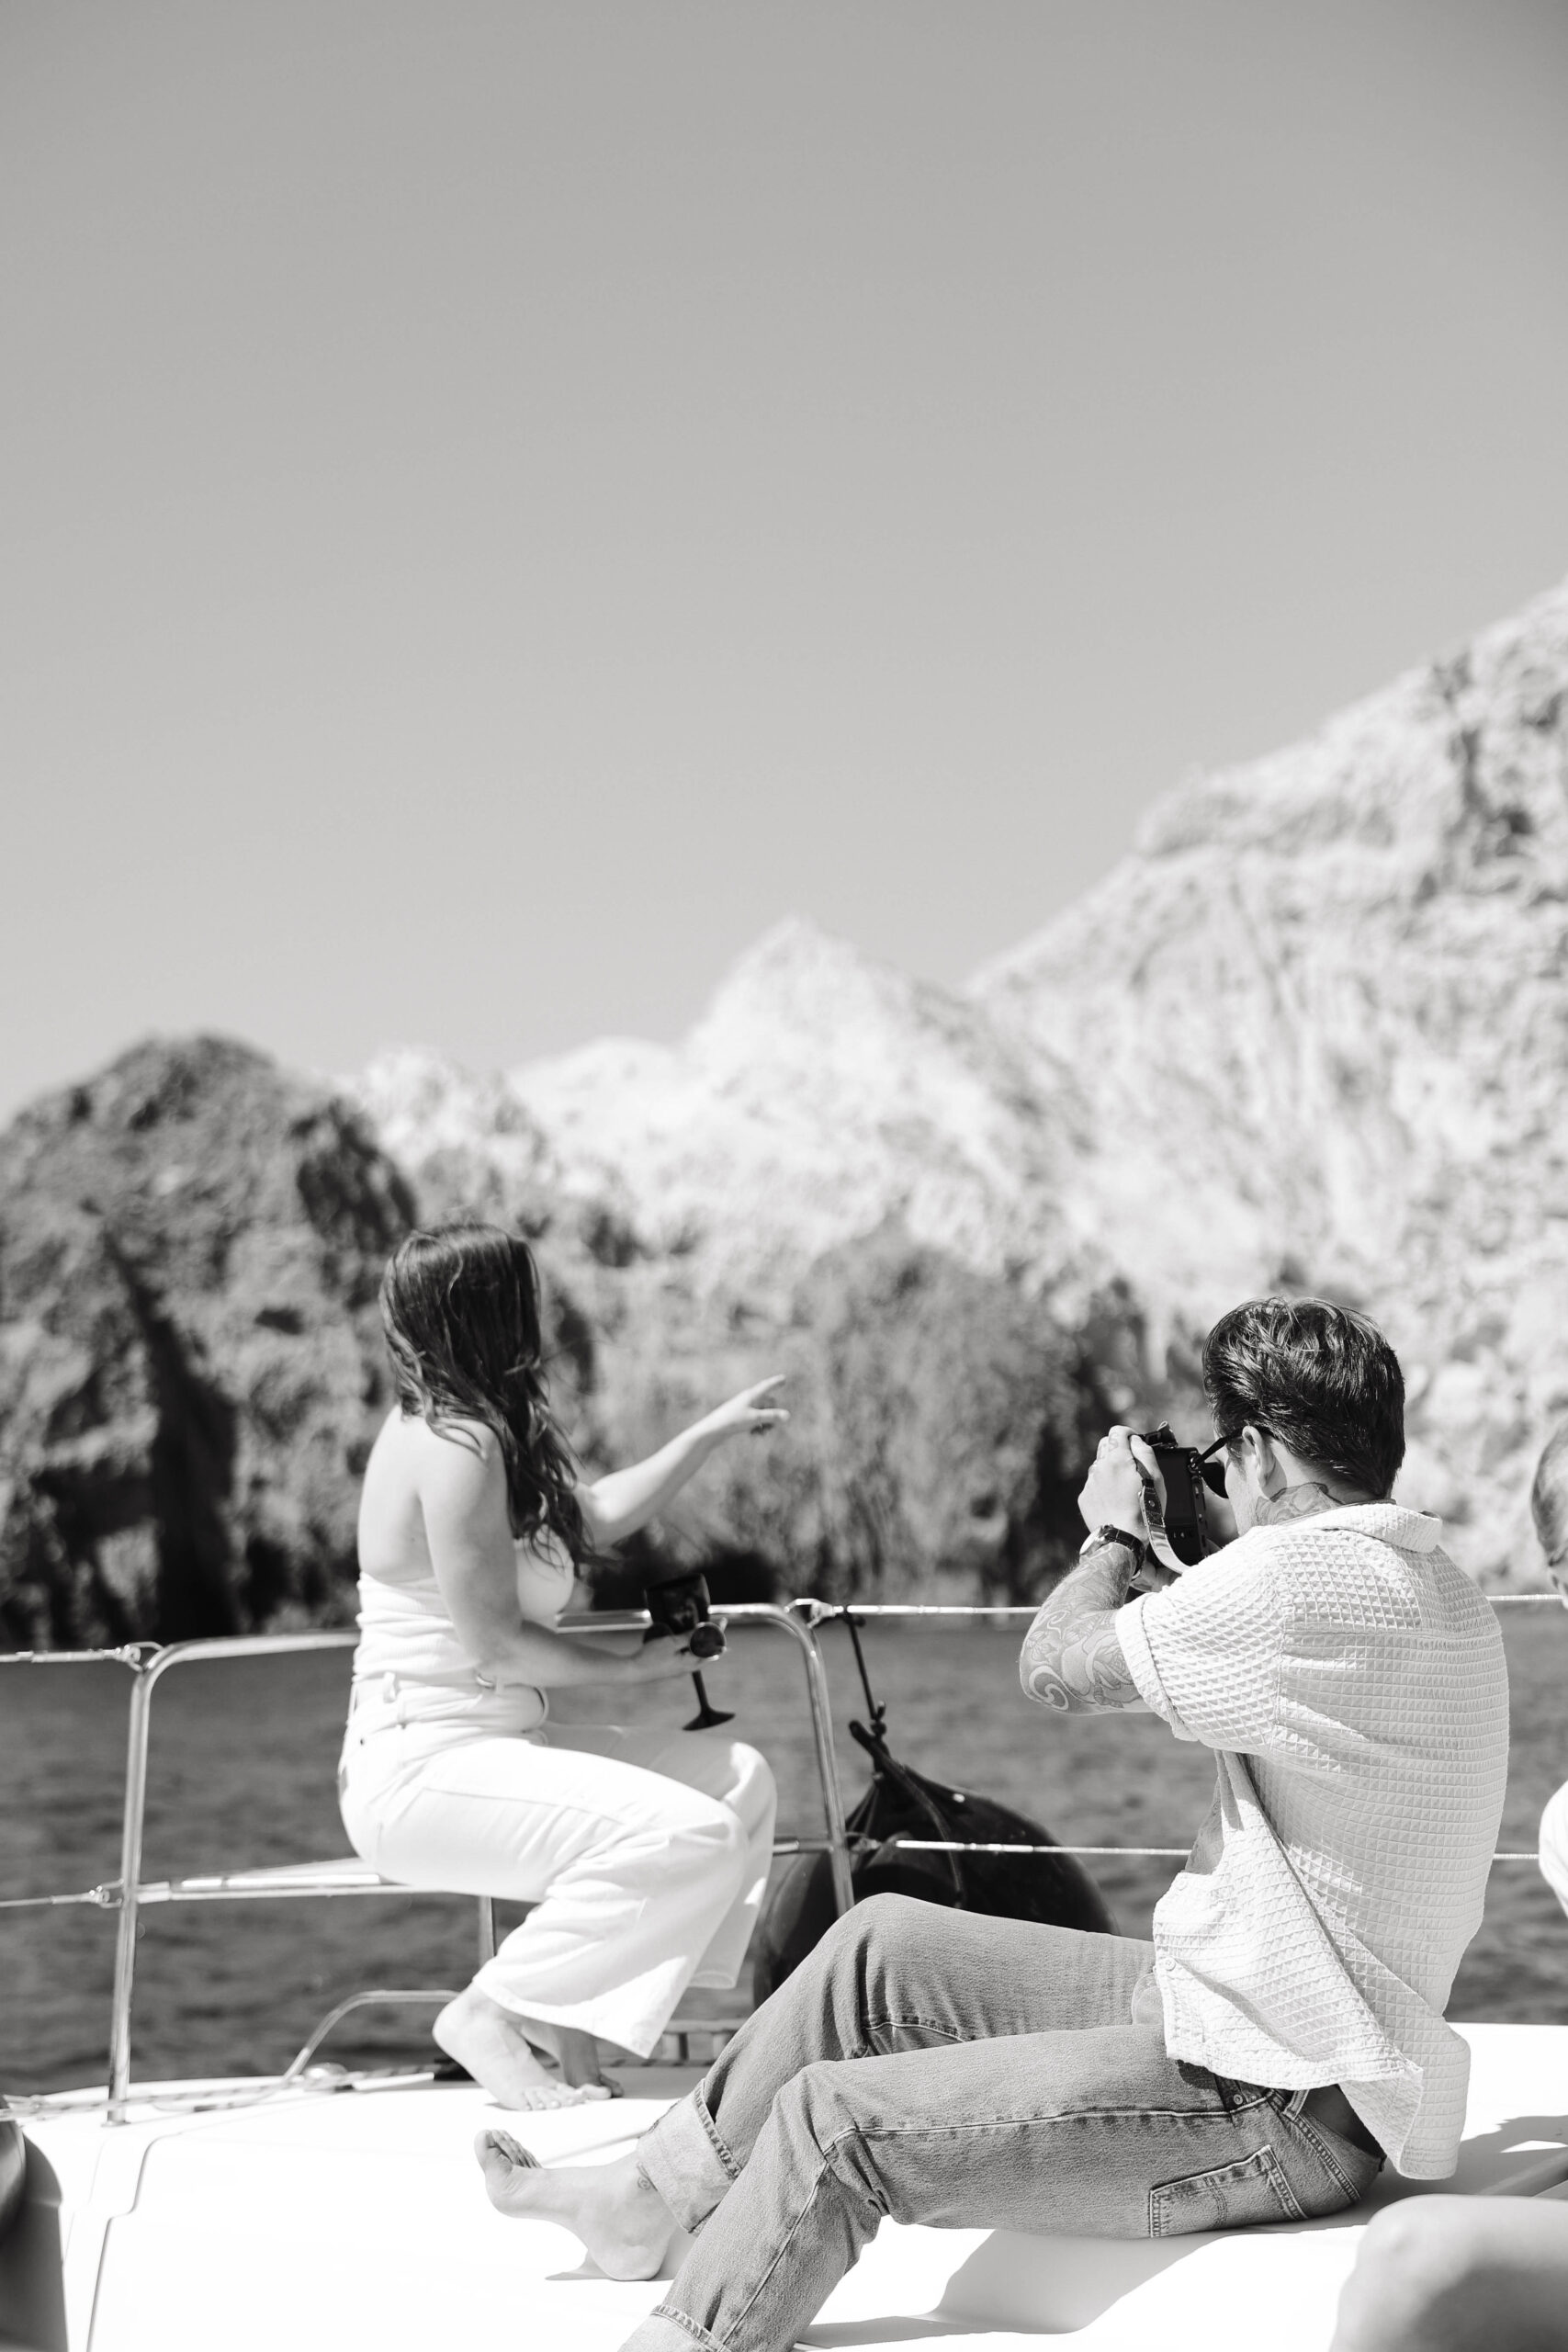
616,1506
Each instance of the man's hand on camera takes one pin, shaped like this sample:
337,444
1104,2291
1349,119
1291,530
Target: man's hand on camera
1112,1494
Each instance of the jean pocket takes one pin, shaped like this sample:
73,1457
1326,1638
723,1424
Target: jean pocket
1229,2197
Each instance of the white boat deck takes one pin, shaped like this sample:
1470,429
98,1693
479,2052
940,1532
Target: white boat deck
313,2222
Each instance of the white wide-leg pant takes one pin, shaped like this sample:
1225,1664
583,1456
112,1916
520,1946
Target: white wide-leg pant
646,1852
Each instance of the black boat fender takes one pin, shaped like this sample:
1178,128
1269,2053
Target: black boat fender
900,1805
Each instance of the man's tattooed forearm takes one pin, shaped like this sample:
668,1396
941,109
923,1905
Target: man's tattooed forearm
1087,1672
1072,1659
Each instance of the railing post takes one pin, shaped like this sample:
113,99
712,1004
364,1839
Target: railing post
131,1823
147,1672
827,1756
798,1624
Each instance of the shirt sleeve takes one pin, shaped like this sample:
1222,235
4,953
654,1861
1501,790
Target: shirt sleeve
1206,1651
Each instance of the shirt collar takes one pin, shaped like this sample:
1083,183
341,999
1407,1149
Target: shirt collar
1409,1531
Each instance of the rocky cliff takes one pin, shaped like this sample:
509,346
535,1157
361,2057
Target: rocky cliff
1312,1033
190,1366
842,1174
1319,1017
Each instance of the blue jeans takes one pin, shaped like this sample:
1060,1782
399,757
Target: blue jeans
967,2073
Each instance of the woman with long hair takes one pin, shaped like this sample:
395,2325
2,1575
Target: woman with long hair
645,1853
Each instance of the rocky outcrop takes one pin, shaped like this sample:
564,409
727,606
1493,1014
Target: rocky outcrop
191,1368
1320,1019
939,1423
190,1361
844,1175
1310,1034
822,1096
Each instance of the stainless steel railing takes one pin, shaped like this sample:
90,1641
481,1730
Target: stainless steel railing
819,1612
129,1893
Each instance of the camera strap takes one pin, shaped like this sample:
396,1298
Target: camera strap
1154,1520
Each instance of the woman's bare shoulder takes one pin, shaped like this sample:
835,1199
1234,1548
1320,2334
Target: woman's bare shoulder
411,1434
456,1453
465,1429
410,1452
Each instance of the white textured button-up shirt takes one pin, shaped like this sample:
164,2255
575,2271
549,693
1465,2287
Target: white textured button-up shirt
1353,1681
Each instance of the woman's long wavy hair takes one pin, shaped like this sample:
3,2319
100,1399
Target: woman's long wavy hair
460,1308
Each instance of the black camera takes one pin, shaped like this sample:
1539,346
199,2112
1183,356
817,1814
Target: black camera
1185,1523
677,1601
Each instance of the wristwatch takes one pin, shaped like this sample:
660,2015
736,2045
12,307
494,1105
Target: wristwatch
1102,1536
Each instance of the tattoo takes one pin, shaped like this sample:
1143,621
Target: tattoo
1296,1502
1071,1660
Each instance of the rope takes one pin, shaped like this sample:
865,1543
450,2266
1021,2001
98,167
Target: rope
878,1714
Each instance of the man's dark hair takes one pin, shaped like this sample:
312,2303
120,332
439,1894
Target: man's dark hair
1323,1381
1548,1496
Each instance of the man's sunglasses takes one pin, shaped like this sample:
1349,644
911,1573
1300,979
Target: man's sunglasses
1213,1473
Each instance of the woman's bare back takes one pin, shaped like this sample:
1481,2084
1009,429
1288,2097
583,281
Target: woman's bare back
392,1543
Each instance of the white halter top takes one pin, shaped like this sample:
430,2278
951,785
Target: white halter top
405,1627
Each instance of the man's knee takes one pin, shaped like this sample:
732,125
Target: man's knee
818,2112
1418,2280
883,1924
816,2096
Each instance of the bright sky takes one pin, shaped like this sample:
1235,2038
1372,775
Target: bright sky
502,501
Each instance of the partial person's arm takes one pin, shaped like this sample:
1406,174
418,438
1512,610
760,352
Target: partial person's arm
462,1490
616,1506
1444,2274
1072,1659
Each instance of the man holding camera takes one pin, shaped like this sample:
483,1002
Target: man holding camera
1281,2033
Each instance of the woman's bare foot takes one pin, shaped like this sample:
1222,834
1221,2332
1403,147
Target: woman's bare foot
624,2223
491,2043
578,2056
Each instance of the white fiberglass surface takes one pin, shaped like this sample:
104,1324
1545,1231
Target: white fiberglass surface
359,2219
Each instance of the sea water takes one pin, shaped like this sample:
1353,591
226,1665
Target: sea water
243,1775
